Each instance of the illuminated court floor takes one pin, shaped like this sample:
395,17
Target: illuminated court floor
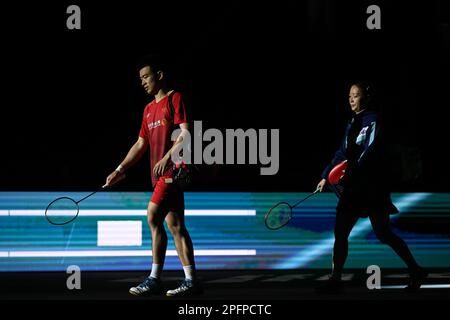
225,285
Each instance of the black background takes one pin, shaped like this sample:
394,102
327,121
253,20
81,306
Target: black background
72,103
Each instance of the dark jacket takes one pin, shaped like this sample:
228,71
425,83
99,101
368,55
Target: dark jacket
365,181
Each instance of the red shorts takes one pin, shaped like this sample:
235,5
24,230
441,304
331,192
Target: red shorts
168,195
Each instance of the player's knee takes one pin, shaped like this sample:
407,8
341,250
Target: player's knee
154,222
340,235
175,228
384,236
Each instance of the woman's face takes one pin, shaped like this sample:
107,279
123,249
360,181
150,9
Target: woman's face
354,98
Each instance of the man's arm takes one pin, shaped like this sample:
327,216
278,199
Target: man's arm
159,168
134,154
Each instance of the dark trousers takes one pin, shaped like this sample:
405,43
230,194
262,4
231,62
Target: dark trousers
381,226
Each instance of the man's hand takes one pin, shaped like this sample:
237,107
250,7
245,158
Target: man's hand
321,185
113,178
160,166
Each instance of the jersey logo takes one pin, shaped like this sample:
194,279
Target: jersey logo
153,125
362,136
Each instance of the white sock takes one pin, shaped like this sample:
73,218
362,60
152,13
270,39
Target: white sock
189,272
156,271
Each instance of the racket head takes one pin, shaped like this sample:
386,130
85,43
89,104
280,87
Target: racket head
337,173
62,211
278,216
335,176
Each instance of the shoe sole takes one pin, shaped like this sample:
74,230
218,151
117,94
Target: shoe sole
184,294
139,294
420,281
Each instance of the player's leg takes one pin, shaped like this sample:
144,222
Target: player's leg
381,226
176,224
345,221
181,237
156,213
155,219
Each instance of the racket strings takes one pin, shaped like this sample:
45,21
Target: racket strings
62,211
278,216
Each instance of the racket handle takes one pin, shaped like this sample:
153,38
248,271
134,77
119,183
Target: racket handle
120,178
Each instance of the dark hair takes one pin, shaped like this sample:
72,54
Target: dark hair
368,100
154,61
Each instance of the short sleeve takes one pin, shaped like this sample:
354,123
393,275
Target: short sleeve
143,132
180,115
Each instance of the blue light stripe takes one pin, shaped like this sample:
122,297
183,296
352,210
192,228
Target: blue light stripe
310,253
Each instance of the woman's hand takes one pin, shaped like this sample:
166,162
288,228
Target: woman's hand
321,185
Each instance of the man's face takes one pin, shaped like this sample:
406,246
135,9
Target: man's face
148,80
354,98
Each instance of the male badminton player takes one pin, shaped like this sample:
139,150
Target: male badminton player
167,201
365,189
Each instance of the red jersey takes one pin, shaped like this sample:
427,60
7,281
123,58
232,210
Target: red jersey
158,123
